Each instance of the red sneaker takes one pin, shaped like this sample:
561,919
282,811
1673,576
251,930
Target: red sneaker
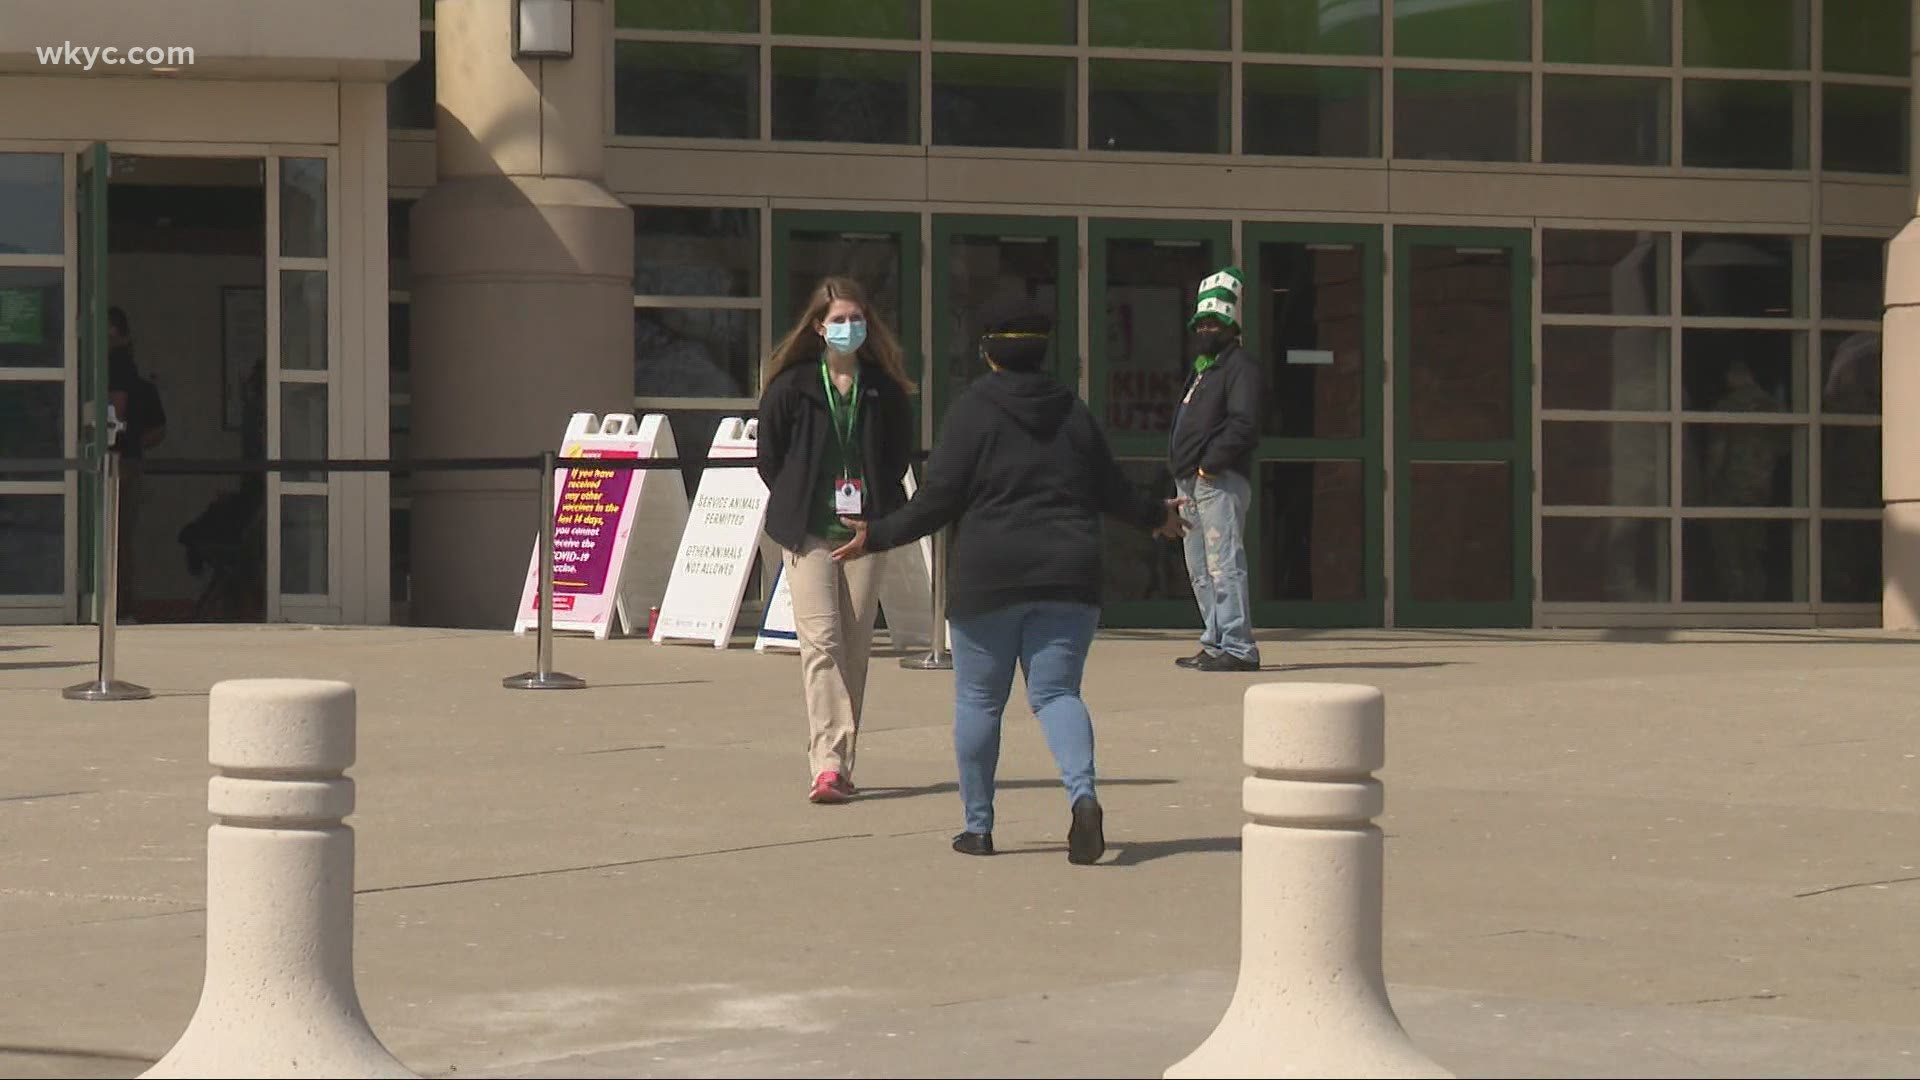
827,789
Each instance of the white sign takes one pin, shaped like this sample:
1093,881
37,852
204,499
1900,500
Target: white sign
607,525
718,548
777,626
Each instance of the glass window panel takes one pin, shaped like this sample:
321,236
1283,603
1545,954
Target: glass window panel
399,244
1150,288
1004,101
1020,22
33,541
1461,115
1599,367
303,427
695,352
1608,32
1744,464
1136,565
30,424
1157,105
303,320
1595,120
1850,467
1604,561
32,199
1743,371
410,98
873,259
984,270
696,251
1313,339
1850,562
33,310
1852,277
303,545
1156,24
1311,111
1463,514
1345,28
1603,273
1745,125
1760,34
1463,29
847,18
675,90
1460,343
1744,276
840,95
1867,37
1743,561
1589,463
1864,129
741,16
303,207
1850,372
399,347
1313,514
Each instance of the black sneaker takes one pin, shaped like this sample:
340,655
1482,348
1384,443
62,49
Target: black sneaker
1227,662
1193,661
1087,836
974,843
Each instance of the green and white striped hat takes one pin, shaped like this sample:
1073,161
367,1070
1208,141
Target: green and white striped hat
1220,297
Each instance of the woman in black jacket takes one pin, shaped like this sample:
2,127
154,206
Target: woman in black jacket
1026,473
835,439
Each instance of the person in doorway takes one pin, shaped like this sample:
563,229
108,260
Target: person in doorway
1026,474
136,404
835,439
1210,451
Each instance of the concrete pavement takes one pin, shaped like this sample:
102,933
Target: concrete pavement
1688,854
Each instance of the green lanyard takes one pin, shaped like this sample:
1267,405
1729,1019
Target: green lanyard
844,416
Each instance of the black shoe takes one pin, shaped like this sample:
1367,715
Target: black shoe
1087,836
974,843
1193,661
1227,662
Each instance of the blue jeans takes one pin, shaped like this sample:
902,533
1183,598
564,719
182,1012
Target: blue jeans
1049,640
1216,514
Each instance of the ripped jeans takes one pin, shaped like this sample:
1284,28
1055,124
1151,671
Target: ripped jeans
1216,548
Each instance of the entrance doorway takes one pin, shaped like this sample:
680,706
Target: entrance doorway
186,370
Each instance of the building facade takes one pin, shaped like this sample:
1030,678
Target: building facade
1571,309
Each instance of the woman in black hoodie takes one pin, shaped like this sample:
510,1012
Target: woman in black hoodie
1024,474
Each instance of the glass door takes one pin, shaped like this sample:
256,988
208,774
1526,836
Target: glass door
302,524
980,261
1463,471
1144,277
1313,321
90,212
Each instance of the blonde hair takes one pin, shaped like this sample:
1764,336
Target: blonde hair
803,343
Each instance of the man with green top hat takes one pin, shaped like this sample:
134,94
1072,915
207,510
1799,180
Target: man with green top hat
1210,450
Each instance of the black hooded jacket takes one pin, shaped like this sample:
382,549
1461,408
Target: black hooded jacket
1026,474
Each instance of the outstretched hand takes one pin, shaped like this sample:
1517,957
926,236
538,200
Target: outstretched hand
854,548
1175,527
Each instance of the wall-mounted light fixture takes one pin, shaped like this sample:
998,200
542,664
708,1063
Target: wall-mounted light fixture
543,30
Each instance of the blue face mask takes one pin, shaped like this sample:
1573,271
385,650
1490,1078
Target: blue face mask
846,337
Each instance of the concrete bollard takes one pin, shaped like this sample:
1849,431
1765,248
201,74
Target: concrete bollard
1312,997
279,997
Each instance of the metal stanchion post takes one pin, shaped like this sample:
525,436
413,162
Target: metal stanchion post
938,658
105,687
543,677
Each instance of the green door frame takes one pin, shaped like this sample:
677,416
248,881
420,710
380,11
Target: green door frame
1066,319
1370,609
906,227
92,434
1515,451
1218,236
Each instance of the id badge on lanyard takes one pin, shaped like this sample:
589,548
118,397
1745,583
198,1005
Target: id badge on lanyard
849,494
849,497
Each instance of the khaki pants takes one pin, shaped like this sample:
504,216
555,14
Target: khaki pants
833,609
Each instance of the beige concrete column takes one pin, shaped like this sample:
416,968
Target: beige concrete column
1900,409
522,296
